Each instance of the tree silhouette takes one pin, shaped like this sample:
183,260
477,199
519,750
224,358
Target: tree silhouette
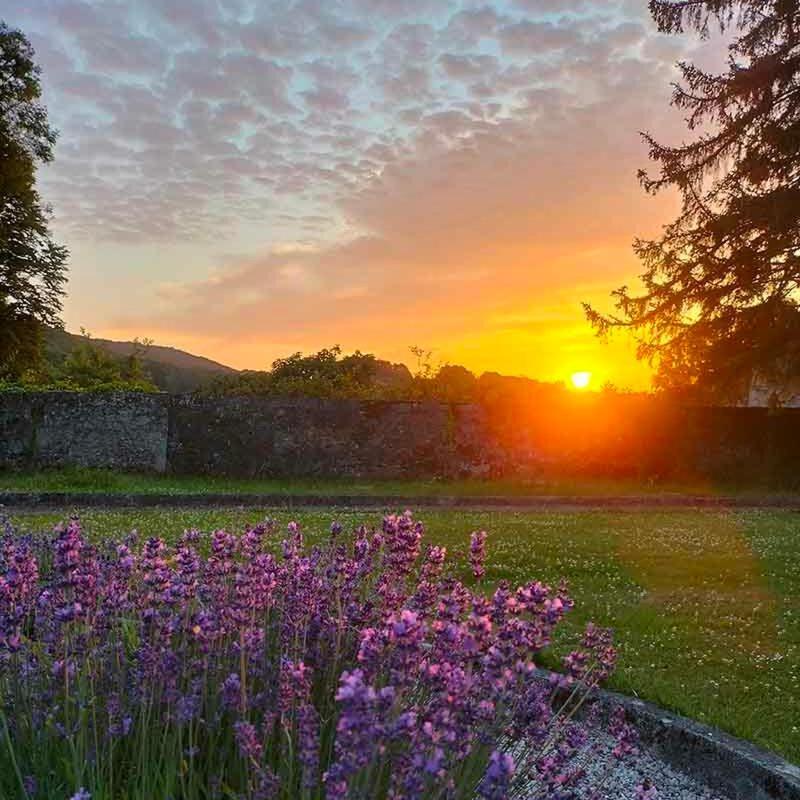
32,266
722,283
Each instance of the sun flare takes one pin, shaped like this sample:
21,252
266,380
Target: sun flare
580,380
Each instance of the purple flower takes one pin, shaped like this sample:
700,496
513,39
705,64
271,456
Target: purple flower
156,575
295,684
497,779
267,786
308,732
360,729
231,692
293,545
19,574
434,561
405,629
81,794
477,553
247,738
76,573
188,707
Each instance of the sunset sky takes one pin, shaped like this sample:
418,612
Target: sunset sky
247,179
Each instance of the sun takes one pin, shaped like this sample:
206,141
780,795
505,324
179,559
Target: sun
580,380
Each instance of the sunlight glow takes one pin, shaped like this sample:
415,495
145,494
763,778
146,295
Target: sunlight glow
580,380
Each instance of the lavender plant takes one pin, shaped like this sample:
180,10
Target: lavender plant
217,668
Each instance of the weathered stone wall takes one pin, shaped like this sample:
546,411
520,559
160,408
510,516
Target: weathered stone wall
17,429
255,437
258,437
124,431
652,440
294,437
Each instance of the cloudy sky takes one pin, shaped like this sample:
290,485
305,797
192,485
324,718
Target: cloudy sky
247,178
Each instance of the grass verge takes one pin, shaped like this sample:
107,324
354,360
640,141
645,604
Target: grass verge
109,482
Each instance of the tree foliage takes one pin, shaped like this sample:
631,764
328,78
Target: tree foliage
721,285
330,374
325,373
455,384
88,367
32,266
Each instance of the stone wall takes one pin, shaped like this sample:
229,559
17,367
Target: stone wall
122,431
258,437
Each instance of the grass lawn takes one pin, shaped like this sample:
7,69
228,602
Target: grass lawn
705,604
108,482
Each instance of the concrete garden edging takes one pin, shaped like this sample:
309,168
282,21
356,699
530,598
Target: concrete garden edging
731,766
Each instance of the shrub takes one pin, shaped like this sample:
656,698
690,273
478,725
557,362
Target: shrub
219,669
87,368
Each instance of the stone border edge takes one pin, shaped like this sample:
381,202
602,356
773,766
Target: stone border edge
739,769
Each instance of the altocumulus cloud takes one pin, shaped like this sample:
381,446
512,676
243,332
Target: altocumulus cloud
434,157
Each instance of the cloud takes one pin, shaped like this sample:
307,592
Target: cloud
326,99
464,67
534,38
254,88
469,26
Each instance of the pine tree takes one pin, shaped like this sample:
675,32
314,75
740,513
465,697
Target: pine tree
32,266
721,286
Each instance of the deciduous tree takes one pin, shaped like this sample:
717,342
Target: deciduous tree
32,265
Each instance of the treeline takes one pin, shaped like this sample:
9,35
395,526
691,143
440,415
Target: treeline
330,374
85,364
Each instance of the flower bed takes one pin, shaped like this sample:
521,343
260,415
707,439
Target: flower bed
220,669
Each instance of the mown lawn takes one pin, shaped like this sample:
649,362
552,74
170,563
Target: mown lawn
109,482
705,604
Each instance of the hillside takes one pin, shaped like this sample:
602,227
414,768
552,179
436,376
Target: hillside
172,370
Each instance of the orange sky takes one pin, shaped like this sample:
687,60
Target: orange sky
456,175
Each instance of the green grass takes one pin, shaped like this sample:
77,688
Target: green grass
705,604
104,481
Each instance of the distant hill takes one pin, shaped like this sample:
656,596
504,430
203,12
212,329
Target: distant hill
172,370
